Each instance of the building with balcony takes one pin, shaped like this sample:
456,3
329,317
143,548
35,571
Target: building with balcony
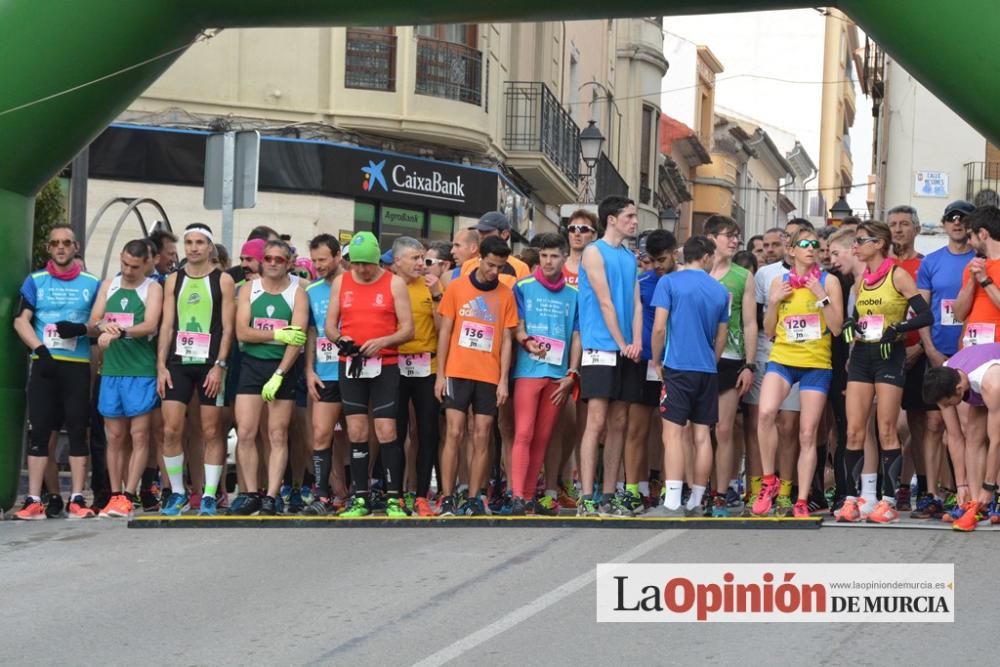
841,68
493,109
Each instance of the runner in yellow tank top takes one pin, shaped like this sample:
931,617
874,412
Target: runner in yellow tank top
805,307
876,370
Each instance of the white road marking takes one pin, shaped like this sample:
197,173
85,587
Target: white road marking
540,604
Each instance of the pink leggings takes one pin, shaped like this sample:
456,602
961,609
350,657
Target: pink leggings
534,418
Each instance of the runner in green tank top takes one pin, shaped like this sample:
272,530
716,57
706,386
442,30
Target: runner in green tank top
127,313
735,375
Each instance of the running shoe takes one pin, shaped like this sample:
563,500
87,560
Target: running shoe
547,506
928,507
618,506
993,513
747,510
733,500
634,503
33,510
150,498
295,505
319,507
78,509
377,500
223,499
768,491
250,505
720,508
884,512
903,499
954,514
209,506
165,493
817,503
194,501
801,510
849,511
506,506
587,507
655,490
410,499
357,509
472,507
517,506
176,505
54,506
866,507
285,493
307,495
238,502
970,517
118,507
422,507
447,507
395,508
783,506
568,495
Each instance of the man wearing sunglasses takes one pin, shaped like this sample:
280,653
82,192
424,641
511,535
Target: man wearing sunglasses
939,280
55,306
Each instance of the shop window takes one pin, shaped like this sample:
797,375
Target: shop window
395,222
364,217
441,227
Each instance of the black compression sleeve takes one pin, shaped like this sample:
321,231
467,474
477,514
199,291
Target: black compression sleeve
923,317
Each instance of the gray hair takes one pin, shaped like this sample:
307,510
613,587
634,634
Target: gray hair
987,197
405,243
906,210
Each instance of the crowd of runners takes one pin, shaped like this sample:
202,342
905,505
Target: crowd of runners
805,371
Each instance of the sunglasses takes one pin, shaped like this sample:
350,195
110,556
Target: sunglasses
861,240
808,243
955,217
580,229
275,259
65,243
430,261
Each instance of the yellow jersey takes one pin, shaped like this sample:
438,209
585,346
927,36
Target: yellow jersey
424,330
878,308
801,339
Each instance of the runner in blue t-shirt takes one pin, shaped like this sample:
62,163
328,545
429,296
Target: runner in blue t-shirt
546,367
697,309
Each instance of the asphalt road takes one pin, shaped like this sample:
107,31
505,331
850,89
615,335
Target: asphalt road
96,592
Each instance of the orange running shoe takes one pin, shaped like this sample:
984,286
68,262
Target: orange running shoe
884,512
119,507
33,510
78,509
967,522
565,499
801,510
422,507
849,512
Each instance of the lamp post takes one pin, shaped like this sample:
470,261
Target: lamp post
840,210
591,141
669,218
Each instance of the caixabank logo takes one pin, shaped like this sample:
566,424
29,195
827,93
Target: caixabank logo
431,184
775,592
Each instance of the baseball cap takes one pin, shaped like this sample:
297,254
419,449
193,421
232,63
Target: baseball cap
364,249
387,257
958,206
494,221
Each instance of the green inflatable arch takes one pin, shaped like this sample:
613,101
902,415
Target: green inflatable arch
68,68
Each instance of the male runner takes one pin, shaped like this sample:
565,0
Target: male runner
369,317
165,255
194,341
939,280
271,317
497,224
55,305
611,332
466,247
735,375
322,380
773,245
755,245
127,313
418,367
478,317
696,307
581,231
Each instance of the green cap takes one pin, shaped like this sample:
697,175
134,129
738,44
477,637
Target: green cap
364,249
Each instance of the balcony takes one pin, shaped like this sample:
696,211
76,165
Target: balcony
542,140
449,70
370,60
980,176
609,181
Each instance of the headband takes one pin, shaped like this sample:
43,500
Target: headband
205,231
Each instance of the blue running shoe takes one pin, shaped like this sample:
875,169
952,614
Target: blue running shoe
294,506
720,507
505,508
176,505
209,506
285,493
307,495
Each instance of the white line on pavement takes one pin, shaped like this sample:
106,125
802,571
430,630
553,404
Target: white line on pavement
540,604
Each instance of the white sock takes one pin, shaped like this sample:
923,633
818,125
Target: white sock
552,493
620,487
672,493
644,488
175,471
212,476
697,493
37,499
869,482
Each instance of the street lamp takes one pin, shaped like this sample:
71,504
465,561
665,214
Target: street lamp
669,218
841,209
591,141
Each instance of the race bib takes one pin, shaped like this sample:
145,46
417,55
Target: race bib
651,375
476,337
269,324
123,320
415,365
599,358
802,328
193,347
871,327
979,333
948,313
326,351
52,340
552,349
372,367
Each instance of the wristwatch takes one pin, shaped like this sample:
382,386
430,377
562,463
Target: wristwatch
221,363
824,302
750,367
985,282
437,297
278,371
